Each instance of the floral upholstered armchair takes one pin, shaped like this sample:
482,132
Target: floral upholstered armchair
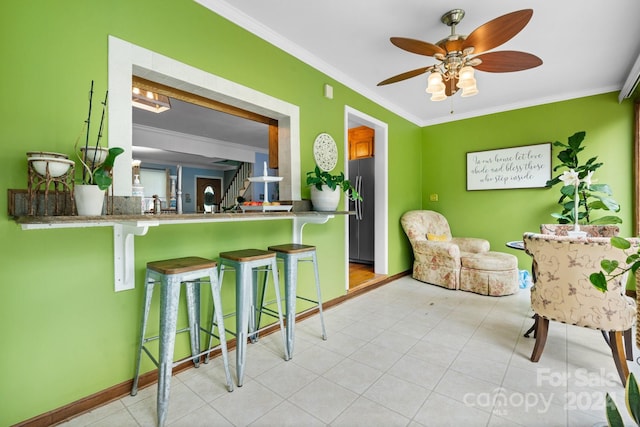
563,292
436,253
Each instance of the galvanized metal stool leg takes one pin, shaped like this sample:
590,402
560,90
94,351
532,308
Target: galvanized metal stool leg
216,308
148,293
254,335
169,298
219,319
246,262
274,273
244,308
290,283
319,294
193,313
254,316
259,304
291,254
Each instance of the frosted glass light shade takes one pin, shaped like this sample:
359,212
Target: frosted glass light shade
466,78
434,83
469,91
439,96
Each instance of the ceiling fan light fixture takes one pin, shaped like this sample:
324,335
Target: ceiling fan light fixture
439,96
469,91
467,84
436,88
434,83
454,53
466,73
466,78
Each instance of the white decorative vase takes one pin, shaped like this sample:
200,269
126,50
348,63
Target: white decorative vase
89,199
577,234
325,199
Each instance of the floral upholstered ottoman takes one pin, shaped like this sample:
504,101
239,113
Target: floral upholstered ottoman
489,273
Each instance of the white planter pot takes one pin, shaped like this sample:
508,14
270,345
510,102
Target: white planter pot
89,199
325,200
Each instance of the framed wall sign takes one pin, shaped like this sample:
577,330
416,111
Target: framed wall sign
527,166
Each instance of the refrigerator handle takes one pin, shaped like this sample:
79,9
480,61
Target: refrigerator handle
355,202
359,202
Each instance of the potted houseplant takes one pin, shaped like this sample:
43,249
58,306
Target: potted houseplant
580,196
97,164
326,188
632,400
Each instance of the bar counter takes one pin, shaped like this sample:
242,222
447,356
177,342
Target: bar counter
127,226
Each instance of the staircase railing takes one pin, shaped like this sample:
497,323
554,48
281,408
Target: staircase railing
238,185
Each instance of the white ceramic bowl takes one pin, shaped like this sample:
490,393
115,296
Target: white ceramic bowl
47,154
100,156
57,166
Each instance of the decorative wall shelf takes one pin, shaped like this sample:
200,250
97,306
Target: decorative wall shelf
127,226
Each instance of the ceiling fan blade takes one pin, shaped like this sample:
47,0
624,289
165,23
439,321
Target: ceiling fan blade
417,46
506,61
498,31
405,75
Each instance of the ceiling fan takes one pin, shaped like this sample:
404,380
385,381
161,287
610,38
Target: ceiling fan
460,55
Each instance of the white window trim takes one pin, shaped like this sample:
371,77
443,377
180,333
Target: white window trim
127,59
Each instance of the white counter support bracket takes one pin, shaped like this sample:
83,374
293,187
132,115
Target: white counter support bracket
124,253
300,221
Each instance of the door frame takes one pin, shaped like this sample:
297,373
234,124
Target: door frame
354,117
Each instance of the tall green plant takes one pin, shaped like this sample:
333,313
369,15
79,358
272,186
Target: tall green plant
94,172
592,197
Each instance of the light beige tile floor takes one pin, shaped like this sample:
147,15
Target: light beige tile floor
405,354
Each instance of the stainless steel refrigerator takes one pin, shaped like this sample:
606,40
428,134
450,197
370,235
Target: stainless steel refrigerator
361,225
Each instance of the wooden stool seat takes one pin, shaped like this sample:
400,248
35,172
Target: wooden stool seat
292,248
181,265
246,255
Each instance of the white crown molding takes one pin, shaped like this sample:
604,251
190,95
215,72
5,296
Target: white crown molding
241,19
517,106
631,83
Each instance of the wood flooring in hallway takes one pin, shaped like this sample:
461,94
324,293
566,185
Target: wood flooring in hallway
362,275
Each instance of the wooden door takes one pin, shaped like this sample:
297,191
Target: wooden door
201,184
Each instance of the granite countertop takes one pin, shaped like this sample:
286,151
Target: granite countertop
169,217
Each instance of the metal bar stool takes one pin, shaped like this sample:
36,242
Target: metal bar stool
247,263
291,254
170,274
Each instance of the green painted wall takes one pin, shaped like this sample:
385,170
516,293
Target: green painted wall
65,333
503,215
